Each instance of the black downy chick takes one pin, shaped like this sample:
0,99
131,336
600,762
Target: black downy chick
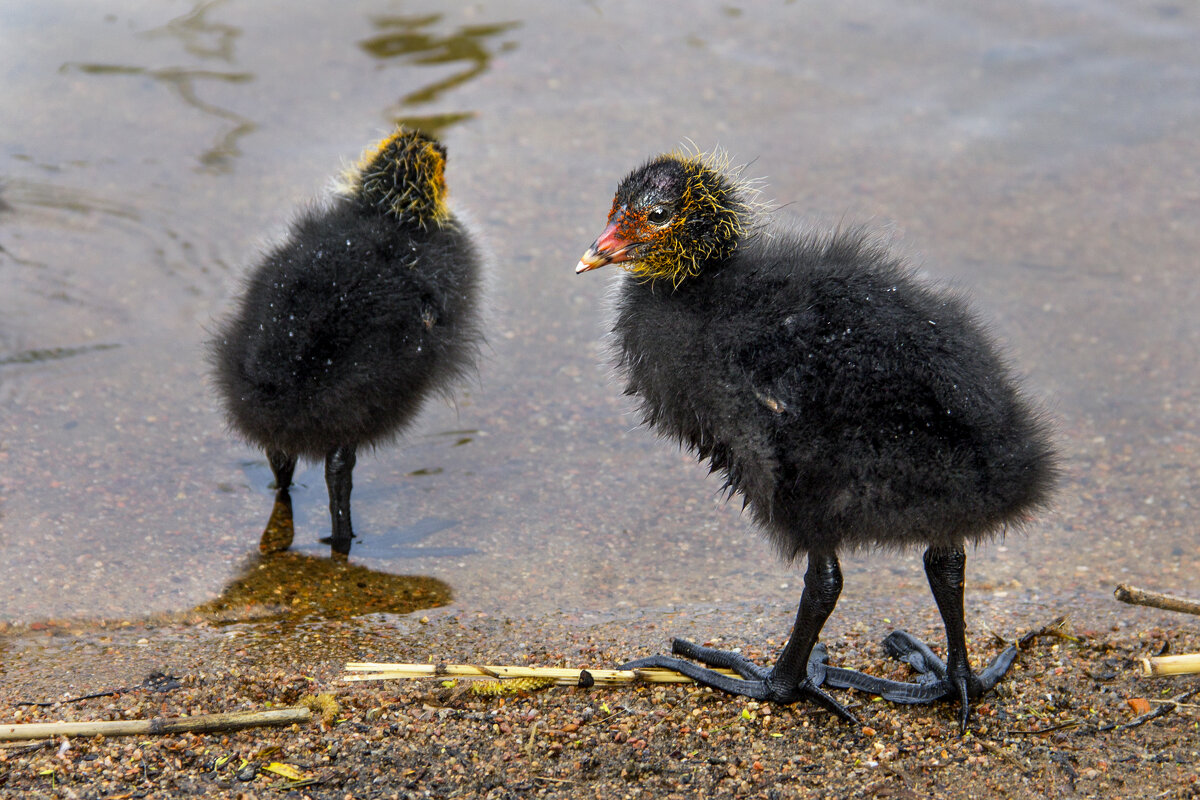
850,405
368,307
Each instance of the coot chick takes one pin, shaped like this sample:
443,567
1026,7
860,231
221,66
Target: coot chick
368,307
851,405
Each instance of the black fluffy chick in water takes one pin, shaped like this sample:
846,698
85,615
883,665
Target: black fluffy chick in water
343,331
850,404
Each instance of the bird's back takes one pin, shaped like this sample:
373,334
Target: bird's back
345,328
849,404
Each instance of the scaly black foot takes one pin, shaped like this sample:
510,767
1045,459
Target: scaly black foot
756,682
934,681
905,647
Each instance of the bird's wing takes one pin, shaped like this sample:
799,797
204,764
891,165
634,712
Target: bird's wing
800,363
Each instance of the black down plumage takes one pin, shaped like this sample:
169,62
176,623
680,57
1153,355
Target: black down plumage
850,404
370,305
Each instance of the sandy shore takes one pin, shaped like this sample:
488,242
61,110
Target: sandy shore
1061,725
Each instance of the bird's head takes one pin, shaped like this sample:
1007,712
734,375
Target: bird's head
672,217
403,174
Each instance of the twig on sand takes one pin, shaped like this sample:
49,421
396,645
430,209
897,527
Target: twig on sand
1168,602
202,723
1175,703
1056,629
154,682
1043,731
1164,707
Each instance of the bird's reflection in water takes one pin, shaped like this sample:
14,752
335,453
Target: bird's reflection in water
298,586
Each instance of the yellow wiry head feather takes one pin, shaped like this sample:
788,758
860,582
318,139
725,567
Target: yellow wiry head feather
716,209
404,174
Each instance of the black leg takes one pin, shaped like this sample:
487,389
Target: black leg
278,534
822,587
946,570
793,677
339,465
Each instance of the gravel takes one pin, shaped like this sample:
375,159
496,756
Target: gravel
1061,725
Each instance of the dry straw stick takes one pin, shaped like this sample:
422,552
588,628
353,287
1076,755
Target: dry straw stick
201,723
367,671
1171,665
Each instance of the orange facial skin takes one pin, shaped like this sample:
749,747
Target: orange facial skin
625,231
671,230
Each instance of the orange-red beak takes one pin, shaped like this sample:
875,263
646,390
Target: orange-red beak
608,249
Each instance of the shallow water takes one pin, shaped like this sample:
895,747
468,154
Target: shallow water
1042,157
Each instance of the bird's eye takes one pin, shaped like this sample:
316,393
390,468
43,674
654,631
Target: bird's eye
659,215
